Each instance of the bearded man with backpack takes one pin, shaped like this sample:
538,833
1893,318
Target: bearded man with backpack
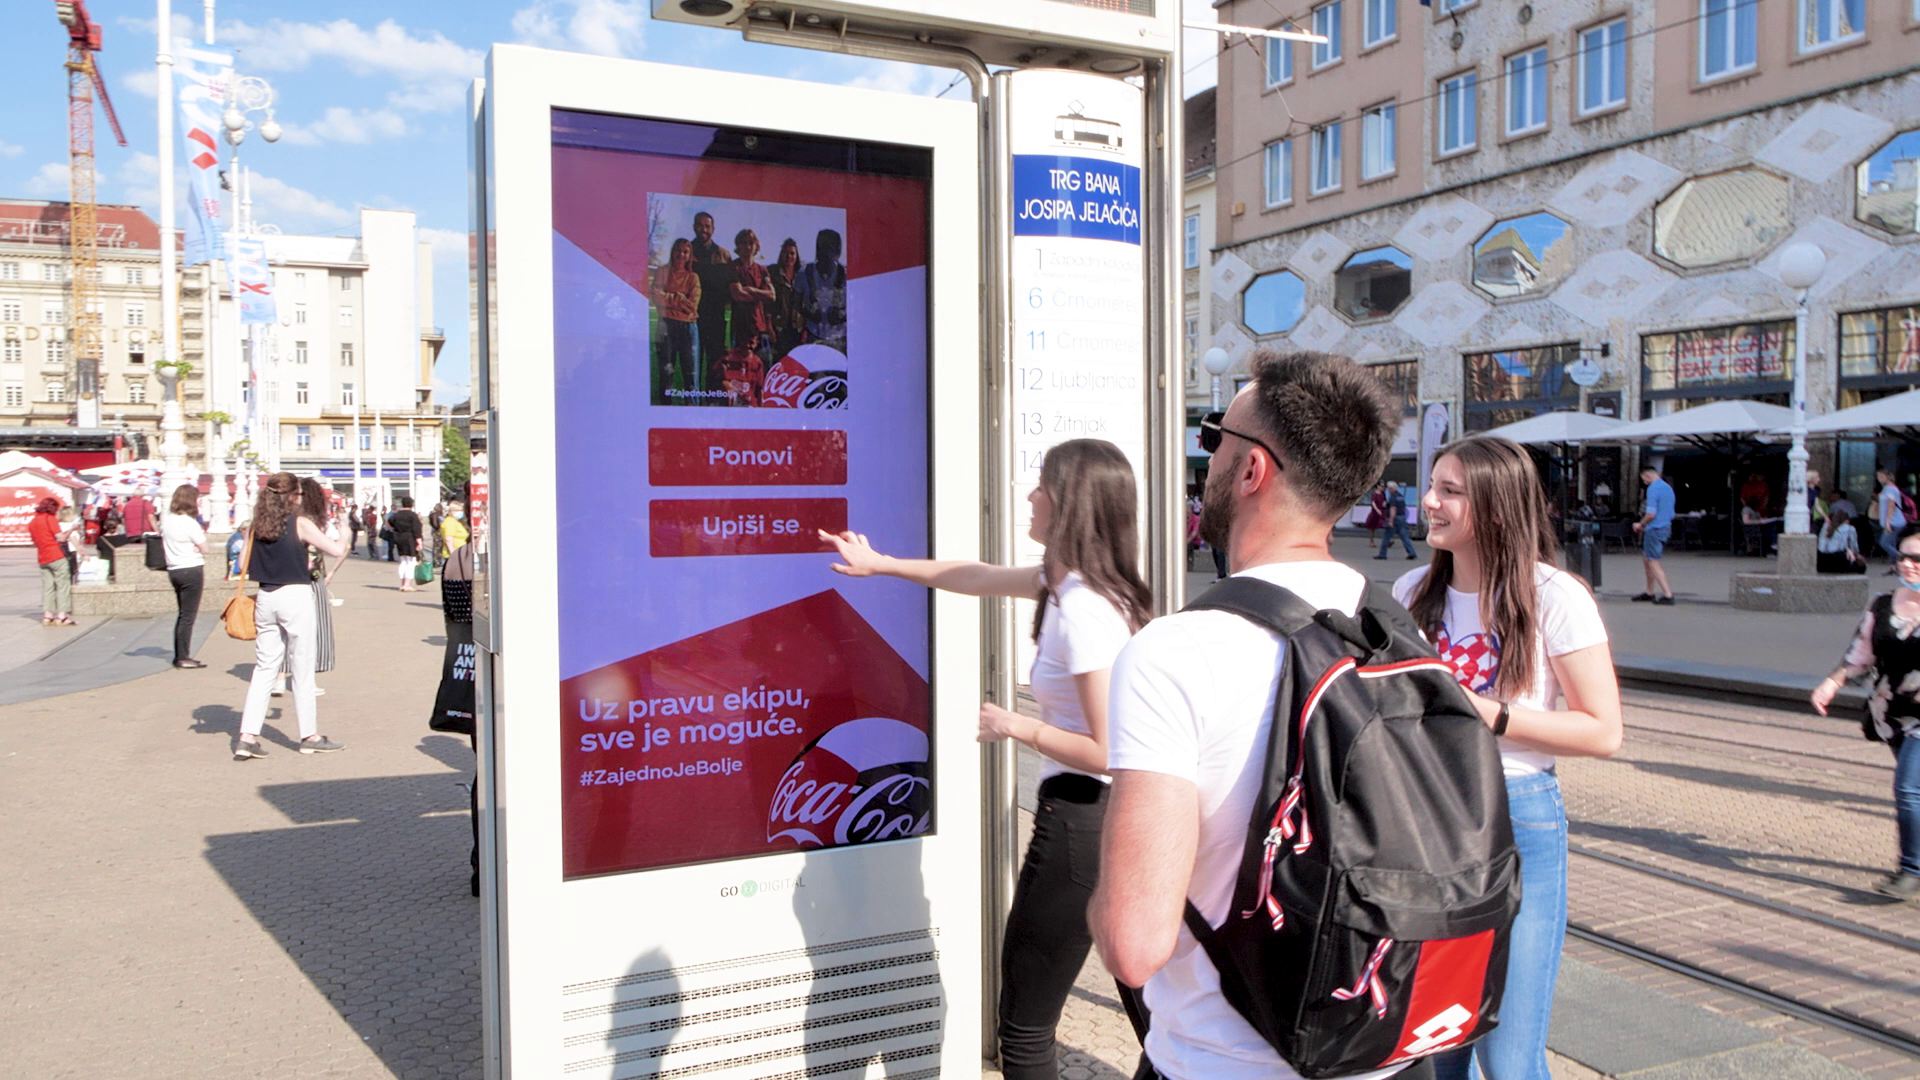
1308,864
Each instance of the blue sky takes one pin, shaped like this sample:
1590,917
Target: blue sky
371,96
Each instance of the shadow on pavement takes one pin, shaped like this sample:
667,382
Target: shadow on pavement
1760,785
1697,849
367,892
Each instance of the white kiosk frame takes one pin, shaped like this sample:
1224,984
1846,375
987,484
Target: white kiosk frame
709,965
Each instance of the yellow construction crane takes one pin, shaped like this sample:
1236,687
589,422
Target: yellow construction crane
84,314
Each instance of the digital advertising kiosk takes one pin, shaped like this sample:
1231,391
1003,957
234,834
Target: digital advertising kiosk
731,797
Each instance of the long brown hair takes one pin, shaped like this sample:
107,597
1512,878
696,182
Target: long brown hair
1092,530
186,500
279,500
313,501
1514,533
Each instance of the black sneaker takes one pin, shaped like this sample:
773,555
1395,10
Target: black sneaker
1663,601
242,749
1899,885
1643,598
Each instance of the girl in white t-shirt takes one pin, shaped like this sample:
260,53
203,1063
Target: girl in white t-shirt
1519,633
1091,601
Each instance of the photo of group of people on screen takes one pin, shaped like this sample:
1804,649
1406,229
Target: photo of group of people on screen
731,330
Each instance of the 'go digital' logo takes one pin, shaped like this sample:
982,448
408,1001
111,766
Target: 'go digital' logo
751,888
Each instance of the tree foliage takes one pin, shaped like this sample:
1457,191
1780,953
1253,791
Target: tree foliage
455,461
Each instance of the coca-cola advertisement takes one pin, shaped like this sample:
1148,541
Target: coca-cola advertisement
720,696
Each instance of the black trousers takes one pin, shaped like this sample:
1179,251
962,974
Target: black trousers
1047,937
188,581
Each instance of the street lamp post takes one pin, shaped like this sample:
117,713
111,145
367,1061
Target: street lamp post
173,448
1217,361
1801,265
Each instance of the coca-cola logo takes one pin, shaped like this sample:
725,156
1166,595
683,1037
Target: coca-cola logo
784,385
825,390
826,798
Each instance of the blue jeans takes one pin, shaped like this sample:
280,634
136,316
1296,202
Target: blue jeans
1517,1049
1397,526
1906,801
1889,545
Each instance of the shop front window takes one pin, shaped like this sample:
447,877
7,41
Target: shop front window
1744,361
1402,379
1515,384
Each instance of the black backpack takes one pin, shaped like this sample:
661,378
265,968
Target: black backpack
1379,883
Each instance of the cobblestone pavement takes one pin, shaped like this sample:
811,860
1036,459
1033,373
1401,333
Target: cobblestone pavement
170,912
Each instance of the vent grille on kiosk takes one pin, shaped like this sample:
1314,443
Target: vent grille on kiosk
831,1009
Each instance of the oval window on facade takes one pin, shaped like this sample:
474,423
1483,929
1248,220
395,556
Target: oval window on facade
1721,218
1888,193
1522,255
1274,302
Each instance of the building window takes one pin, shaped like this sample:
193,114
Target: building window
338,438
1274,302
1830,22
1603,66
1729,36
299,314
346,283
137,354
1708,220
1887,188
1728,361
1882,345
366,439
1459,106
1190,241
1325,146
1503,387
1378,131
12,351
246,392
346,316
56,391
1402,380
1373,284
1527,92
16,395
56,351
346,354
300,394
300,281
52,272
1447,6
1279,61
1326,23
303,438
136,314
137,391
136,275
299,352
346,394
9,271
1382,19
1278,172
1521,255
53,311
390,439
1193,338
9,311
93,276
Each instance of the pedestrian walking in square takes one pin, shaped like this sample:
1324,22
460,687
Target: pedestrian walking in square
1654,527
276,557
185,543
1395,522
1886,649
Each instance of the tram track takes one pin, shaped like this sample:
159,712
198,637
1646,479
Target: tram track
1620,938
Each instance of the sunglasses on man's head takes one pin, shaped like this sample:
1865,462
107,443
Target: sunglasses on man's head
1212,431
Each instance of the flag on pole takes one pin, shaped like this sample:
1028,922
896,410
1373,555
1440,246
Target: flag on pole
252,281
204,78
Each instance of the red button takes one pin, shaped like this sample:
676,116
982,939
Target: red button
681,457
680,527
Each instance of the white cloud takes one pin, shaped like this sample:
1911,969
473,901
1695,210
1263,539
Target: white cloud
898,78
143,81
51,182
605,27
8,149
447,244
342,125
139,179
294,210
432,70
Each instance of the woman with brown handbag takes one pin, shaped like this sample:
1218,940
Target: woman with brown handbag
283,612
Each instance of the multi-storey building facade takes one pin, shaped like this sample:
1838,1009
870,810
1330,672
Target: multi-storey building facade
1475,196
39,380
345,376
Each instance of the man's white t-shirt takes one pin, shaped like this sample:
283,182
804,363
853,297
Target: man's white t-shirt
1080,632
1569,621
1193,698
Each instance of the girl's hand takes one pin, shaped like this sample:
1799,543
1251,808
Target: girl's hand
859,558
1823,694
997,723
